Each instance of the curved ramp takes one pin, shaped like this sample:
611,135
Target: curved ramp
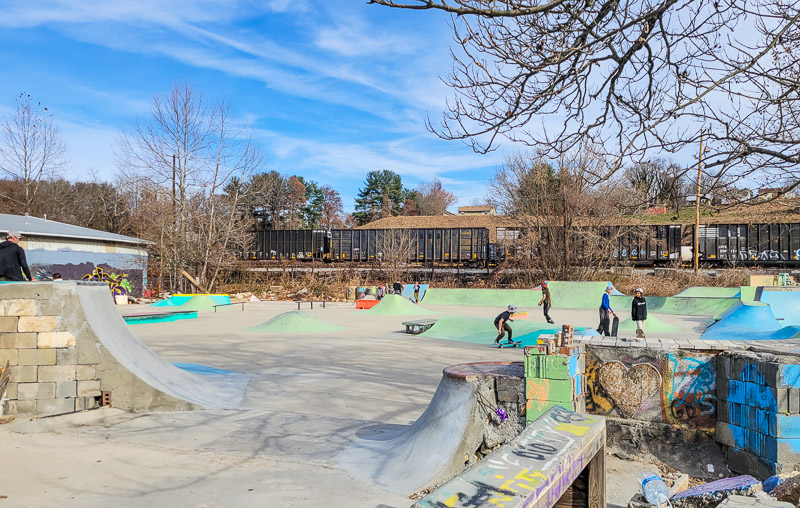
784,302
578,294
705,292
138,378
296,321
652,324
432,449
749,321
396,305
482,297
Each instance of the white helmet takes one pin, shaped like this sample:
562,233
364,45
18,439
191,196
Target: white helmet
512,308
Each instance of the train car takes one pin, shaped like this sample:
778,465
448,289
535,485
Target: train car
645,245
297,244
750,244
467,246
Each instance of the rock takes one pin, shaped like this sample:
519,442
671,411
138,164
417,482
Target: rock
709,495
622,455
736,501
302,291
676,482
788,491
773,481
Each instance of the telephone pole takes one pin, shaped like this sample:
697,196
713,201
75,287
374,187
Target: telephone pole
697,209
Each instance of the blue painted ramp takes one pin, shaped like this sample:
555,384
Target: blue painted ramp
749,321
784,302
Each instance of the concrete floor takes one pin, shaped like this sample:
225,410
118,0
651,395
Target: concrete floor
308,396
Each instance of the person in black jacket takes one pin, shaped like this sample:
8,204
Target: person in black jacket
12,259
501,323
639,311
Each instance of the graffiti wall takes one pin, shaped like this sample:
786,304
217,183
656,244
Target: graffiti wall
76,259
668,386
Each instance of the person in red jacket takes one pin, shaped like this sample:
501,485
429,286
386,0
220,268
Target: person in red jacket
13,264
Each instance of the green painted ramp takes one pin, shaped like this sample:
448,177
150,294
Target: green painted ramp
651,324
716,292
500,298
477,330
678,305
396,305
577,295
198,303
296,321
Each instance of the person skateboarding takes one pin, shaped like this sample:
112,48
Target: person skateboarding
501,323
605,313
639,312
546,301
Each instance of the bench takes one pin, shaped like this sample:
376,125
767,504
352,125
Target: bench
557,461
417,327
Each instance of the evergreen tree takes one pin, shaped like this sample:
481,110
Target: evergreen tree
382,196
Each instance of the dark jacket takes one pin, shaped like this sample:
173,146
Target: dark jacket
12,262
638,309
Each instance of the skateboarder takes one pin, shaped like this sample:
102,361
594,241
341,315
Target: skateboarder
605,310
639,312
501,323
416,292
546,301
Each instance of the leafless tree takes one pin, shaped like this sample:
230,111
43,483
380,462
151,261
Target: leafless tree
31,148
631,78
332,214
187,153
433,199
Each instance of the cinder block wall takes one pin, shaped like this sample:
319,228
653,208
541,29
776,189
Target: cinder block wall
758,416
46,378
554,378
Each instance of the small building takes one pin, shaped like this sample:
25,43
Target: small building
477,210
766,193
74,251
705,199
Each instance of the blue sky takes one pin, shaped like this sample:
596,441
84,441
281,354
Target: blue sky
331,89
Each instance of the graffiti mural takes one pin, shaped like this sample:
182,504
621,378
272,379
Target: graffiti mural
652,385
117,283
688,395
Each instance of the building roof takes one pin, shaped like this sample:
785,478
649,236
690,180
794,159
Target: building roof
34,226
475,208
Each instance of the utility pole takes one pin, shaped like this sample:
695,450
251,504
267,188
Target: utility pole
174,205
697,209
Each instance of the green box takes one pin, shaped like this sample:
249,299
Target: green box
557,367
535,366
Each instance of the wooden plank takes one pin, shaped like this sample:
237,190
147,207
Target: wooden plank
193,281
597,478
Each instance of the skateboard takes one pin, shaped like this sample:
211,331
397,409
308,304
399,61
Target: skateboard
502,345
614,326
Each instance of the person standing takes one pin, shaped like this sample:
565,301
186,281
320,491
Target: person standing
380,292
416,292
501,323
12,259
546,301
606,312
639,312
398,288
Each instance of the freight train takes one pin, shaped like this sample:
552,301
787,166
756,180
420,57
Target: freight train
719,245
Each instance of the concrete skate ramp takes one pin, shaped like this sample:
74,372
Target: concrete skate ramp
784,302
576,295
178,300
477,330
432,449
749,321
691,306
652,324
482,297
296,321
138,378
396,305
717,292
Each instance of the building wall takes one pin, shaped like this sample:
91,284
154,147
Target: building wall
74,258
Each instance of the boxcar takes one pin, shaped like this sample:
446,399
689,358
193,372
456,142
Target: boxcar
750,244
650,244
300,244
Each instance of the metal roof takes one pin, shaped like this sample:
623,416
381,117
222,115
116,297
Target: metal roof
34,226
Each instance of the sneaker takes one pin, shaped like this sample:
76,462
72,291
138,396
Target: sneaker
551,321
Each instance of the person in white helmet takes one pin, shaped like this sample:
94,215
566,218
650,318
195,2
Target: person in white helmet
501,323
639,311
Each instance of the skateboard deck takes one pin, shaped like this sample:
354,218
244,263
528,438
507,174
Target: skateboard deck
614,326
507,344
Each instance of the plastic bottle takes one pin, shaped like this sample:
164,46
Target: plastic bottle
654,489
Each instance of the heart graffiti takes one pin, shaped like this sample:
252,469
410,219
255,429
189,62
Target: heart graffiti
629,388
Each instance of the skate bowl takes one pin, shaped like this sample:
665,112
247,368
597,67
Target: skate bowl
396,305
564,294
82,339
705,292
691,306
477,330
448,435
784,302
652,324
296,321
749,321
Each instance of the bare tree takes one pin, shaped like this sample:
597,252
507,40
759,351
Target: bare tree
188,152
31,148
332,214
629,77
433,199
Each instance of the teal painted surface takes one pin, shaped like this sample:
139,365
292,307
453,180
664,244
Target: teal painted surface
159,318
177,301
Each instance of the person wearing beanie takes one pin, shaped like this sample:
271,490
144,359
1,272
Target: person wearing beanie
639,312
501,323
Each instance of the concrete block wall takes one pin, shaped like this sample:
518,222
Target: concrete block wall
758,414
554,377
46,377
